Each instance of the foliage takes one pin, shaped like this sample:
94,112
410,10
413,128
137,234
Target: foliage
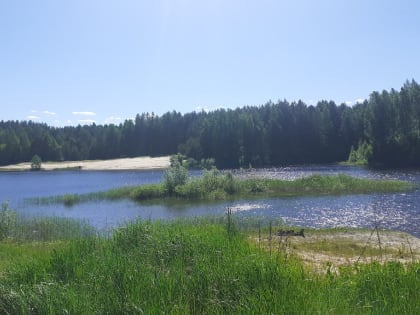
177,159
19,228
217,185
145,192
194,267
70,200
361,155
273,134
174,176
36,163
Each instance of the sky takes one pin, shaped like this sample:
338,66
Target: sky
70,62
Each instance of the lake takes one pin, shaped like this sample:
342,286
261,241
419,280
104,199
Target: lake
400,211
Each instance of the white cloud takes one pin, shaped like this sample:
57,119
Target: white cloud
113,120
47,112
356,101
86,121
84,113
32,117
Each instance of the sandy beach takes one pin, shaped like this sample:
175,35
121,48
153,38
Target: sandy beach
137,163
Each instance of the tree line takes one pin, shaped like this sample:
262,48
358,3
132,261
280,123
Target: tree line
273,134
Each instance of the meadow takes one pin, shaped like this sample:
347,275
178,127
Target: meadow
189,266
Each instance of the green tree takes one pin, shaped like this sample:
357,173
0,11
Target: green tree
36,163
174,176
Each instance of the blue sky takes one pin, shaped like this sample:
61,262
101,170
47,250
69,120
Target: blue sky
82,61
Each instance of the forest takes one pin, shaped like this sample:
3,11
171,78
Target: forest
383,131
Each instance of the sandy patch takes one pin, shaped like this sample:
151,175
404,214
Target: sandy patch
138,163
322,251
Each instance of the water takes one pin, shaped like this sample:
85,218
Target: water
400,211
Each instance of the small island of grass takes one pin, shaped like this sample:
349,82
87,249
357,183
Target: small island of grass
217,185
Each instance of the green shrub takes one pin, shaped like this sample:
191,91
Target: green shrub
70,199
361,155
36,163
190,189
174,176
146,192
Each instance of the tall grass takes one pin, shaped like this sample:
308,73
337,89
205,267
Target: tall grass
197,266
20,228
215,185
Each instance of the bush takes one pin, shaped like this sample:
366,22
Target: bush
36,163
176,175
361,155
69,200
148,192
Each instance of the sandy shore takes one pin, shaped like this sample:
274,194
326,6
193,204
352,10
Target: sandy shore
328,249
138,163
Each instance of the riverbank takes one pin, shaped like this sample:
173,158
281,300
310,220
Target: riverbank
196,266
137,163
323,250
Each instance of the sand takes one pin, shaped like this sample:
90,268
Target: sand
137,163
347,248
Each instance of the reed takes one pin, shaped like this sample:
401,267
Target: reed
219,186
196,266
215,185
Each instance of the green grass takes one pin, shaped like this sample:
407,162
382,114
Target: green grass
214,185
194,266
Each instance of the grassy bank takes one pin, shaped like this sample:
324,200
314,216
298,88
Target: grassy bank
195,266
215,185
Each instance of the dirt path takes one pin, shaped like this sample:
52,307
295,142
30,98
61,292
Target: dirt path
138,163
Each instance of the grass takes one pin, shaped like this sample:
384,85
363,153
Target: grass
192,266
214,185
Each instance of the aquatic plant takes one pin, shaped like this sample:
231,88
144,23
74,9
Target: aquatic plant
217,185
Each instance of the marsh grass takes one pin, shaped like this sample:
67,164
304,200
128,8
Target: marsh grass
215,186
15,227
196,266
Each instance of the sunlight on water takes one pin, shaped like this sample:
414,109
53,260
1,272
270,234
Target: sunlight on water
248,207
390,211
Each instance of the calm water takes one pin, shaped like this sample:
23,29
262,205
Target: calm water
399,211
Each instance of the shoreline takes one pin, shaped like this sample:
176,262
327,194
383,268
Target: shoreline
328,249
137,163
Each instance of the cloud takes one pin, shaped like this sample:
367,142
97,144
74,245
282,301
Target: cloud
47,112
356,101
32,117
86,121
84,113
113,120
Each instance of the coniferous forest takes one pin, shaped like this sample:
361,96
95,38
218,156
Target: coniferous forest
384,130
